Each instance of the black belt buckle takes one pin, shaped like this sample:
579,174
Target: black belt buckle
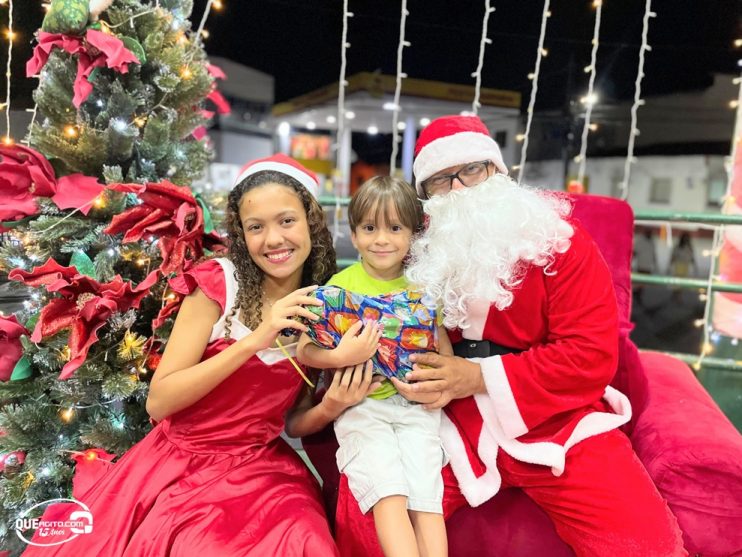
472,348
480,349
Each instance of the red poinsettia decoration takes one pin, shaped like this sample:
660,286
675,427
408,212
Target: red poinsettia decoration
95,50
84,306
11,349
200,132
91,464
221,103
167,212
26,175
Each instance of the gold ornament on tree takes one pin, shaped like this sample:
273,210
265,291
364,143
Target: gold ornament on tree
64,354
131,347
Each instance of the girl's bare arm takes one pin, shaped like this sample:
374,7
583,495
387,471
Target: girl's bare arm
182,378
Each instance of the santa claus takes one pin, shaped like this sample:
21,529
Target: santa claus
531,307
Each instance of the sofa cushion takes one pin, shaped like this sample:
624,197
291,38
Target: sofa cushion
694,455
610,222
508,524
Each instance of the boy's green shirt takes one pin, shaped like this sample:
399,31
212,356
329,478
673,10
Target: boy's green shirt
356,279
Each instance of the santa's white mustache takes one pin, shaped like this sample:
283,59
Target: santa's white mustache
480,240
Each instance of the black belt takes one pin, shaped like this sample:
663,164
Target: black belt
481,349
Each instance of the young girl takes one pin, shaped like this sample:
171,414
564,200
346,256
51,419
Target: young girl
213,477
390,450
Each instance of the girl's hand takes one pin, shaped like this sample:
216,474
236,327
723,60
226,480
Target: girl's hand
349,387
280,314
355,348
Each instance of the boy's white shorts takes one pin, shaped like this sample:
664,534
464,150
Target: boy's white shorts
392,447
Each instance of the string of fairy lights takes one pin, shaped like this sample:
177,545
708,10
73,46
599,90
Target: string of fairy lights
540,53
342,115
638,101
10,35
483,42
591,98
398,88
707,346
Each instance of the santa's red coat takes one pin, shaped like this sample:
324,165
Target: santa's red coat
552,394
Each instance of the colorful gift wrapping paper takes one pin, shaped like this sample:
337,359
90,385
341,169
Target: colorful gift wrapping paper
408,324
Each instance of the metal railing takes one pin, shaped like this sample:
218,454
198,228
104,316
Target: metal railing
674,216
703,285
677,282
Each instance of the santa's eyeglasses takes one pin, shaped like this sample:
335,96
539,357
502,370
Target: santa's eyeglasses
470,175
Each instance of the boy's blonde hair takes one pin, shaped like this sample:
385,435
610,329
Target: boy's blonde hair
375,197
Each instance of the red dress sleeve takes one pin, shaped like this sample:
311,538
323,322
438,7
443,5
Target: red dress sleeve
208,276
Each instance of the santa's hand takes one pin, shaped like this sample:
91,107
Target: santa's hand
430,400
449,376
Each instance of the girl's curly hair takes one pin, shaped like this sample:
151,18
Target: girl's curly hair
318,268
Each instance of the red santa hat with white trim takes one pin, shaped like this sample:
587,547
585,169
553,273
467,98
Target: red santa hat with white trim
285,165
452,140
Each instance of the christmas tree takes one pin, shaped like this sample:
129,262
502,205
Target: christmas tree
99,215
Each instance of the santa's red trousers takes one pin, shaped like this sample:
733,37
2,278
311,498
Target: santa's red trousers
604,504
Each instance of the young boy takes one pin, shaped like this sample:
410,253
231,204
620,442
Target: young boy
390,449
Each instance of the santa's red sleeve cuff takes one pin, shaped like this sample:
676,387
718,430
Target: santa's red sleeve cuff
499,391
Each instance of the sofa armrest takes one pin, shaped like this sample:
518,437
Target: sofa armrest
694,455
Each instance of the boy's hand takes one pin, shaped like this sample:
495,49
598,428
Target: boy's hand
349,387
356,347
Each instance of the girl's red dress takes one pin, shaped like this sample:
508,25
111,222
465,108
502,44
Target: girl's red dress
215,478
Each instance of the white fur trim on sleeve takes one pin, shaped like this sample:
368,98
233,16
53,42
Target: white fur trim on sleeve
475,489
548,453
503,400
600,422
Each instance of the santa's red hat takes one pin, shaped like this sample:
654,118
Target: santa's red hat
453,140
284,165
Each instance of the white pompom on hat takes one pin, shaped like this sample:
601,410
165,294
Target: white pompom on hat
452,140
284,165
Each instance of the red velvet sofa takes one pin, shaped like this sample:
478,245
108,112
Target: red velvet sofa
690,449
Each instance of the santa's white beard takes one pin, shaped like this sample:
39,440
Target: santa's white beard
481,240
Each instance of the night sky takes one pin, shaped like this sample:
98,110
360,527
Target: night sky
298,42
